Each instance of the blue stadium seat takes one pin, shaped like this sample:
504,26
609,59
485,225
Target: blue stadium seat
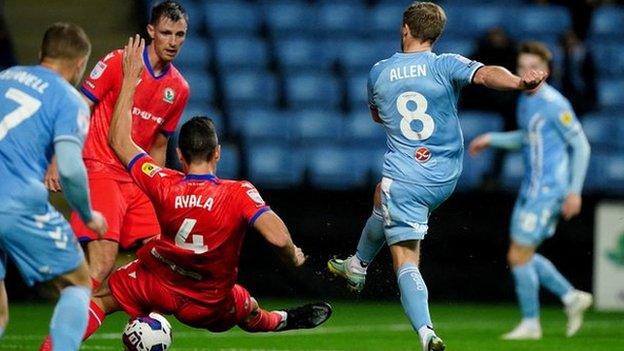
357,92
341,19
310,90
241,53
246,90
385,19
316,127
513,171
607,23
360,55
464,47
229,164
362,132
232,16
606,173
201,86
259,127
476,20
609,58
296,54
601,130
195,53
534,20
474,123
335,168
610,93
274,166
287,18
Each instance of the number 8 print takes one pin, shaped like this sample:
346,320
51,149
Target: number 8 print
418,115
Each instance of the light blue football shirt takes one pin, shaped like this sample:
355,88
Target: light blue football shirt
38,107
416,97
549,123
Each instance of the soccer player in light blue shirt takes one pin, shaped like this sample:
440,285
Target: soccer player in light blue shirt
551,187
413,94
41,114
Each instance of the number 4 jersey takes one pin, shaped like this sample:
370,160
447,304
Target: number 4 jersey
38,107
416,96
203,221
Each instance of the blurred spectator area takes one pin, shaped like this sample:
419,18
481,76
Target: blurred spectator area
285,81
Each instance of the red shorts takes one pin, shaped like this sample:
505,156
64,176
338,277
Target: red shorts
140,292
130,215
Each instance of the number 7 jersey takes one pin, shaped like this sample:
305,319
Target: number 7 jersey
416,97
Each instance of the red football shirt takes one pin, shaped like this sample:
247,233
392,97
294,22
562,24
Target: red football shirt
203,220
157,107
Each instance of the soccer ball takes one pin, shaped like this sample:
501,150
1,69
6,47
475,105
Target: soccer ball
147,333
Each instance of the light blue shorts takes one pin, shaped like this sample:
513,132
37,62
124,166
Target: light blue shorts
42,246
534,219
406,208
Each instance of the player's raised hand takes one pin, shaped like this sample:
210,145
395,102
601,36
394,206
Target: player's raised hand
478,144
571,206
300,257
133,57
531,79
98,223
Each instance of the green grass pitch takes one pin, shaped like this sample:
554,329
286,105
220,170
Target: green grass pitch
355,325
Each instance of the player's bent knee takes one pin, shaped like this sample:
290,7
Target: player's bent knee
77,277
405,252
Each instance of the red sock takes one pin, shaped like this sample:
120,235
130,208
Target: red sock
263,321
95,284
96,316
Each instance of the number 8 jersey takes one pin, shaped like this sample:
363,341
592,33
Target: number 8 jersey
416,96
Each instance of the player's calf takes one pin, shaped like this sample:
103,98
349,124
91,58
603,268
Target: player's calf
102,255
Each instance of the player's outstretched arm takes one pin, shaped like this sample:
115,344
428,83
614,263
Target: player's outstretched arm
273,229
120,132
507,140
499,78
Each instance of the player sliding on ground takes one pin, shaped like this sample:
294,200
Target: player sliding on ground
551,187
190,271
414,95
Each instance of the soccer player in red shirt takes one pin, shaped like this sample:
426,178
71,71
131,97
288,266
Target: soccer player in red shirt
160,98
190,271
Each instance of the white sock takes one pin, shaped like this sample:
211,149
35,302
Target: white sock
568,298
532,323
424,333
355,265
284,318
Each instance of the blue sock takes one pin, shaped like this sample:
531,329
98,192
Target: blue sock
372,238
414,296
527,289
550,277
70,318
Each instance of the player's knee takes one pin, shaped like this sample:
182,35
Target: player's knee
102,256
377,196
517,257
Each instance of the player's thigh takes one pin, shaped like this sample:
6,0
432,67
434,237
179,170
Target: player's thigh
140,221
42,246
106,198
139,291
534,220
406,208
219,317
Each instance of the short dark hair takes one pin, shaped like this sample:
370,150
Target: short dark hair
168,9
65,41
198,139
536,48
425,20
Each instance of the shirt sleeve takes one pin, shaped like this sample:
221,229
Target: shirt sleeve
171,123
373,75
105,75
565,122
72,119
251,203
461,70
152,179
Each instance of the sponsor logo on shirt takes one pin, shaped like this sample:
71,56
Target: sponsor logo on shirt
422,154
255,196
146,115
168,95
150,169
97,71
